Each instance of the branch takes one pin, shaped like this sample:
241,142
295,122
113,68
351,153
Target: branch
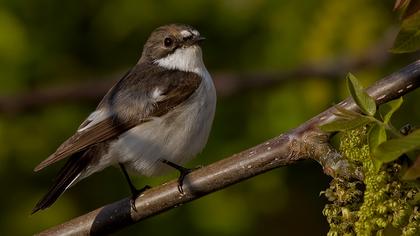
226,83
304,142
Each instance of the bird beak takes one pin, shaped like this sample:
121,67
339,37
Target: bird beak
198,40
195,40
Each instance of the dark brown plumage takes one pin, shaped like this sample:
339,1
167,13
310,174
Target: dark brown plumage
141,79
130,103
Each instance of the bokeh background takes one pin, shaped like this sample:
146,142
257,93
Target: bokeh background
47,44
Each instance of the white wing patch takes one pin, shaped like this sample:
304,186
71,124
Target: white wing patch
94,118
157,95
72,182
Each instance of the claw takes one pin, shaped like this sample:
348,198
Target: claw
182,173
135,193
181,178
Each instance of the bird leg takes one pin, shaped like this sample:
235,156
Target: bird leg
134,191
182,173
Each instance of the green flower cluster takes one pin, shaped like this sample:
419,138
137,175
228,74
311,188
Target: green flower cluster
381,203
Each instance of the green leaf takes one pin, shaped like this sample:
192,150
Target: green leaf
345,124
377,164
376,136
394,148
389,109
342,112
365,102
413,171
408,39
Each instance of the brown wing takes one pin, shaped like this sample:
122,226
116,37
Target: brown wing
141,81
102,131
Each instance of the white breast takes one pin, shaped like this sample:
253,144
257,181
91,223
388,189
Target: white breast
177,136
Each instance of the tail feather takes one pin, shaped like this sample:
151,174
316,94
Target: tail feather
65,178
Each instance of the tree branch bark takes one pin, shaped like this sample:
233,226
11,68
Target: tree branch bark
303,142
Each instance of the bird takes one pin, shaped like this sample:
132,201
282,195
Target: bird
157,117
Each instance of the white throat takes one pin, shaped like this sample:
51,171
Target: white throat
187,59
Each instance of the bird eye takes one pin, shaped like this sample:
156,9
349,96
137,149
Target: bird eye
168,42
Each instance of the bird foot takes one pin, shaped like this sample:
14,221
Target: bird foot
135,193
183,172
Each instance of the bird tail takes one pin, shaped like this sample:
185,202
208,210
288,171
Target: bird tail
69,173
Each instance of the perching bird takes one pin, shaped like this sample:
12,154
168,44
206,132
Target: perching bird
158,115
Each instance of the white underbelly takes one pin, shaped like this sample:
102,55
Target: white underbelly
177,136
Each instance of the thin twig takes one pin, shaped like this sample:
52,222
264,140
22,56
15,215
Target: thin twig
304,142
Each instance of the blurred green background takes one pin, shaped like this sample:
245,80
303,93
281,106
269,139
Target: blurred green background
48,43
